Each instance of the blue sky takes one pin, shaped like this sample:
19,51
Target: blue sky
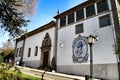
45,11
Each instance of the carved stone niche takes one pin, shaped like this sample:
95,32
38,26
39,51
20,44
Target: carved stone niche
45,48
46,43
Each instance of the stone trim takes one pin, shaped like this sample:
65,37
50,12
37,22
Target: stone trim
45,47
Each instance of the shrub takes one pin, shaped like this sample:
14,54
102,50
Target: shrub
1,59
6,74
53,63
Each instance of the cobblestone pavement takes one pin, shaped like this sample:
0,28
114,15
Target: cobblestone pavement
50,75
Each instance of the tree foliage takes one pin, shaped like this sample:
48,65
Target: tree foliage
7,74
7,47
1,58
12,13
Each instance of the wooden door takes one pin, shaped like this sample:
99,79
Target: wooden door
45,59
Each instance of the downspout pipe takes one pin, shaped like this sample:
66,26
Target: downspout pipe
56,41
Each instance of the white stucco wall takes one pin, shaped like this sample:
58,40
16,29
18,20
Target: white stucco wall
101,48
19,44
104,57
36,40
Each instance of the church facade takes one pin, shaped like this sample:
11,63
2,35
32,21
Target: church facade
66,40
36,43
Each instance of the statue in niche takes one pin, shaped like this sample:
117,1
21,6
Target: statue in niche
46,42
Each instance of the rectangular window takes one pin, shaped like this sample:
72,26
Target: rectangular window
80,14
102,6
79,28
20,51
17,51
63,21
29,51
104,21
90,10
36,50
71,18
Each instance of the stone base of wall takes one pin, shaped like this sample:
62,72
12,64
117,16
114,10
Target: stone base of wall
103,71
32,63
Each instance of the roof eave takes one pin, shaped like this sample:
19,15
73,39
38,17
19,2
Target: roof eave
40,29
80,6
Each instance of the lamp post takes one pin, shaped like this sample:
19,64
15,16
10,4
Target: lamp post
91,40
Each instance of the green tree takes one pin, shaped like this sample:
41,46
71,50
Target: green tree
1,59
12,13
7,47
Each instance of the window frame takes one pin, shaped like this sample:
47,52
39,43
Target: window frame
100,10
104,16
71,18
29,52
17,52
78,13
79,25
63,20
20,51
36,51
88,11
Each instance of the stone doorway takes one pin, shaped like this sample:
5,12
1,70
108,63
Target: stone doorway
45,52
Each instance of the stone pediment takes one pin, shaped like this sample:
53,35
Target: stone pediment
46,43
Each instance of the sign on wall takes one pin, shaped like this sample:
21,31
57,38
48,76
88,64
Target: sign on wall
80,49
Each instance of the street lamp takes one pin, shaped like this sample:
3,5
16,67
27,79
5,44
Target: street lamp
61,43
91,40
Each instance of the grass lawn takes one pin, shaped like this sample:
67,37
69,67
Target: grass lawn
24,76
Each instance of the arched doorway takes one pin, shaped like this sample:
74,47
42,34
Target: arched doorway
45,51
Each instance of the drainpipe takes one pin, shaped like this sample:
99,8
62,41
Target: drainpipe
55,42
